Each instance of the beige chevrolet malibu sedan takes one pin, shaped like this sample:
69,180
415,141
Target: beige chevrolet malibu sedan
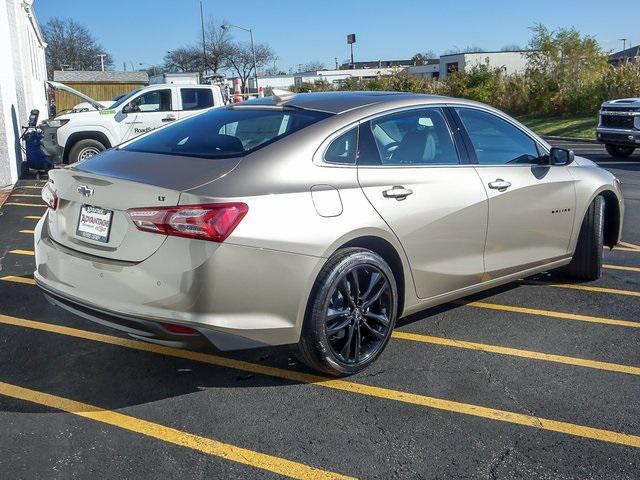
316,220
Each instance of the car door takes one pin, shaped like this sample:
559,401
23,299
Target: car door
531,205
410,170
148,111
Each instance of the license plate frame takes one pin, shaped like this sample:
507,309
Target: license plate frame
92,232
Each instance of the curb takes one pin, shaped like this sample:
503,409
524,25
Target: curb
573,139
4,194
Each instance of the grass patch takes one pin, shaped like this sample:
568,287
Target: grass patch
576,127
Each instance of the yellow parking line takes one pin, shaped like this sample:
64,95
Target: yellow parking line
516,352
27,231
166,434
34,187
25,195
626,249
22,252
341,385
18,204
32,217
549,313
630,245
622,267
613,367
586,288
13,278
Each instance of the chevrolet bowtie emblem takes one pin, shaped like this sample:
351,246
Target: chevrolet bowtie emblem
85,191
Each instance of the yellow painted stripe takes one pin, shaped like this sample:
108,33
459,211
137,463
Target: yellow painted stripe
22,252
342,385
13,278
17,204
25,195
613,367
549,313
27,231
32,217
34,187
166,434
622,267
515,352
585,288
626,249
630,245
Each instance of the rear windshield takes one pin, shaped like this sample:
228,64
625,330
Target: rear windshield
226,132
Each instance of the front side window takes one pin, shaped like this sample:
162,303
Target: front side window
343,149
226,132
154,101
496,141
414,137
196,98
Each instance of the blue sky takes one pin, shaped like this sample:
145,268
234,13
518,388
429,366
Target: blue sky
301,31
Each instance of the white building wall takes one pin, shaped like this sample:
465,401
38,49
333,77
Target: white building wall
22,81
511,62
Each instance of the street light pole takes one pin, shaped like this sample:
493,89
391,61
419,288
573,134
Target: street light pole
102,55
204,45
227,26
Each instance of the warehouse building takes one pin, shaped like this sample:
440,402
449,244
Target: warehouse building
510,62
23,74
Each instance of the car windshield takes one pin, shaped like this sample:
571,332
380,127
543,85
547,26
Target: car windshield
226,132
124,98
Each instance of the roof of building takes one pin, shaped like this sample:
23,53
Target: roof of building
378,64
631,52
90,76
485,51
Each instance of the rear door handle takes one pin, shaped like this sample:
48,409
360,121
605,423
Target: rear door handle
499,184
398,192
169,118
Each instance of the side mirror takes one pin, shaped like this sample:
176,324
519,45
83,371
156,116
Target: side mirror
561,156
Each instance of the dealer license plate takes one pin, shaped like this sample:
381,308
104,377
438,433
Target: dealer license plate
94,223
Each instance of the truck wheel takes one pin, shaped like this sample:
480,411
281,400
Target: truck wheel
586,263
619,152
351,313
84,149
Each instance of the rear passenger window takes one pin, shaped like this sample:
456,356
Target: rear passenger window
343,149
196,98
414,137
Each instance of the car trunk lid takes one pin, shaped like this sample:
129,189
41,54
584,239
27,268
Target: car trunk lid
114,187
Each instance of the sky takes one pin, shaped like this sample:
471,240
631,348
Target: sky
142,31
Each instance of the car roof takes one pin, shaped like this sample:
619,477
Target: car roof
339,102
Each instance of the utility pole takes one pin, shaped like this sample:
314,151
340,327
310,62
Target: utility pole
102,55
204,45
227,26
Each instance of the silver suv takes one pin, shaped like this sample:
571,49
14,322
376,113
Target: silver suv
619,126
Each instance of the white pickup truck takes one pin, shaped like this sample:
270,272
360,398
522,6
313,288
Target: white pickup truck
73,136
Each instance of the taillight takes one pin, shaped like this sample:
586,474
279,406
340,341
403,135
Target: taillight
213,222
49,196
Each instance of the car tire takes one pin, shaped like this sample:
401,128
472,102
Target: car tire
343,297
586,263
617,151
84,149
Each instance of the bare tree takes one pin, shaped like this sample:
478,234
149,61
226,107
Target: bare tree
422,58
511,48
240,60
184,59
70,45
218,46
313,66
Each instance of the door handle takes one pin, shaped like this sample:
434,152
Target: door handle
499,184
169,118
398,192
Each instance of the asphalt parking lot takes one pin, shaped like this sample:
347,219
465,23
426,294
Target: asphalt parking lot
536,379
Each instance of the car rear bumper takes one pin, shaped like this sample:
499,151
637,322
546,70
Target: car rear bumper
614,136
233,296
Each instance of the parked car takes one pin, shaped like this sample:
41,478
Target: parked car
78,134
318,220
619,126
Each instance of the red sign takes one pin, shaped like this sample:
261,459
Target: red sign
351,38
